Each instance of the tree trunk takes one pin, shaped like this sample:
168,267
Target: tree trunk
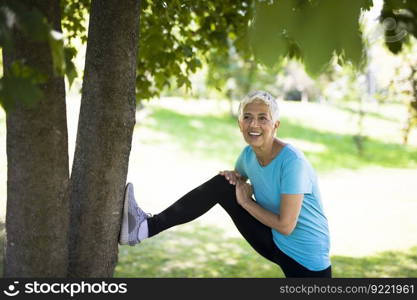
37,216
105,128
411,121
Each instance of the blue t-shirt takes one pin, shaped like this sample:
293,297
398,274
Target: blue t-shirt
290,173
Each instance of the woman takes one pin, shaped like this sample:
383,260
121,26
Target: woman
285,224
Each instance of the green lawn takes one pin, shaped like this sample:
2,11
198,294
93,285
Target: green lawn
215,136
175,138
193,250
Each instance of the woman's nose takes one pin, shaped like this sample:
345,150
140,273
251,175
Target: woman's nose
254,122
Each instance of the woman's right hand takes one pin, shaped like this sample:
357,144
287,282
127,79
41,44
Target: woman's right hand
232,176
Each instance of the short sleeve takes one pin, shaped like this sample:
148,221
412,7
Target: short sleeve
240,164
295,177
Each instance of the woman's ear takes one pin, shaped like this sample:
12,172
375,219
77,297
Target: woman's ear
240,125
276,125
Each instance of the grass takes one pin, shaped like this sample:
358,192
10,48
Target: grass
194,250
207,136
171,137
215,137
339,150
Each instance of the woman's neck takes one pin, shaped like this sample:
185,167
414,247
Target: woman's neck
267,153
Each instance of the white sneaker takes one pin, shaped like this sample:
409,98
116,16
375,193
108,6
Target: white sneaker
133,216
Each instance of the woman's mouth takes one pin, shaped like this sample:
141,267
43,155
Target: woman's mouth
255,134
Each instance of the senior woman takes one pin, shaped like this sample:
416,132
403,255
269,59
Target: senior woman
285,222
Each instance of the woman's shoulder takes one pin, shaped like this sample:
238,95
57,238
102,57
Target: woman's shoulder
292,153
247,150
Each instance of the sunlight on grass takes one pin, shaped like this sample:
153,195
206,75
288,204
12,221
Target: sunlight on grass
328,146
382,264
208,253
204,136
194,250
307,146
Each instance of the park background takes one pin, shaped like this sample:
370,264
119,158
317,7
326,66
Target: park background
350,125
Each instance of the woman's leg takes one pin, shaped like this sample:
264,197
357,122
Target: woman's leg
219,191
198,201
291,268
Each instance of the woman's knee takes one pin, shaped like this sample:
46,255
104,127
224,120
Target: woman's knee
219,184
220,181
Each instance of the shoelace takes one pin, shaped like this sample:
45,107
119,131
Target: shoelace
140,212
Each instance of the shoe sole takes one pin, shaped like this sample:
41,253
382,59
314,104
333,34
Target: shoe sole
124,232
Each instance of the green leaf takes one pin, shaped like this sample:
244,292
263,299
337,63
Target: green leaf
15,89
268,33
57,51
70,70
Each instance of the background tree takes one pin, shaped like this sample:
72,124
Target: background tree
403,87
37,146
400,31
234,76
172,34
104,136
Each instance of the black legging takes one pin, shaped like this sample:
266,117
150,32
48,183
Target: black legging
259,236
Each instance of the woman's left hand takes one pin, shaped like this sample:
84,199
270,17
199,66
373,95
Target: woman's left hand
244,192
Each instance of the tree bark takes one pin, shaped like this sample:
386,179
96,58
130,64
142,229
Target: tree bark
37,215
105,128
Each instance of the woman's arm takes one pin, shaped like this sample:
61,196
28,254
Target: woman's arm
284,222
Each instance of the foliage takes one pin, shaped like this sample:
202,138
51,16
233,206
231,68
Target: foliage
175,34
178,37
235,76
399,18
21,82
403,86
313,30
74,14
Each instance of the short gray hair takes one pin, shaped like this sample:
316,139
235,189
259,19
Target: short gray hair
266,98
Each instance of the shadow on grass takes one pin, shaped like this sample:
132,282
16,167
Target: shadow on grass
218,137
194,250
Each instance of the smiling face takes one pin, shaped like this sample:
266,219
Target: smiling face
257,126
